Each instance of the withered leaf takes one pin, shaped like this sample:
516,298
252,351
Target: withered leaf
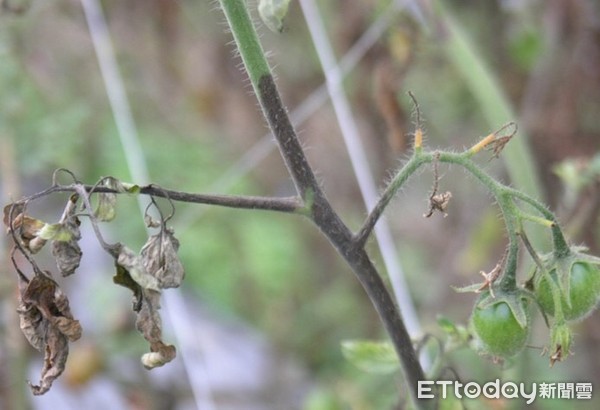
47,323
27,229
133,264
55,358
65,247
105,211
107,201
123,278
17,209
149,324
160,259
146,303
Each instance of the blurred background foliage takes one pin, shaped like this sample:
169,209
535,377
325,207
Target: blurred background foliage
272,273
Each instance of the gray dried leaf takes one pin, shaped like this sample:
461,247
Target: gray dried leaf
105,211
33,326
160,259
26,227
146,304
67,256
65,248
47,323
134,266
149,324
55,358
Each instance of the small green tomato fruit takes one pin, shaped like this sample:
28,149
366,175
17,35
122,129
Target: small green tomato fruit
584,290
498,330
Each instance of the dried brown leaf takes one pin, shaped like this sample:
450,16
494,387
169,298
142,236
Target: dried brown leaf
149,324
47,323
55,358
65,249
146,304
160,259
135,267
17,209
27,229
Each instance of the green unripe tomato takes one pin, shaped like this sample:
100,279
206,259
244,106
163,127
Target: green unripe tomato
584,289
498,330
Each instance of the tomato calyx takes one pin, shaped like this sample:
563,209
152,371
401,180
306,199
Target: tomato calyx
516,300
560,343
568,286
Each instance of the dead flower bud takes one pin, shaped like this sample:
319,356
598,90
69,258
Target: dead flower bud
47,323
439,202
160,259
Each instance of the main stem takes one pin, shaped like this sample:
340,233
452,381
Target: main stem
319,208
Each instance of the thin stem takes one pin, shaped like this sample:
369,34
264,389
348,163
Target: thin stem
288,205
561,247
401,177
509,212
83,193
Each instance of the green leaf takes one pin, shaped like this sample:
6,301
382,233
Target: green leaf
371,356
446,324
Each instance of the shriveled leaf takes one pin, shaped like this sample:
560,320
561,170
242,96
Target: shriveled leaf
27,229
17,209
67,255
135,267
146,303
47,323
160,259
55,358
105,211
149,324
371,356
65,248
123,278
56,232
31,321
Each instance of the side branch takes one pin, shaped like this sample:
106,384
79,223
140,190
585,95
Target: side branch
287,204
401,177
